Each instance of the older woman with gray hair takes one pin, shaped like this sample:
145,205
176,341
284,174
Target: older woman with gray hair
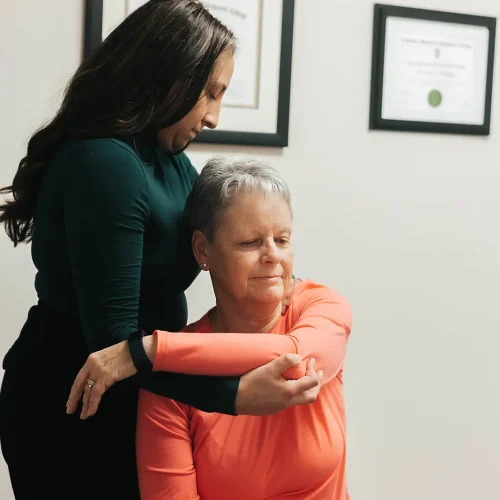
241,220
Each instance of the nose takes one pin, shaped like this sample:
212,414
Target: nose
271,254
211,119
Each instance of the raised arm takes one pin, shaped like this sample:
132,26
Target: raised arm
320,326
164,450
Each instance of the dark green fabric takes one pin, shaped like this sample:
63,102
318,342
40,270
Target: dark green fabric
109,249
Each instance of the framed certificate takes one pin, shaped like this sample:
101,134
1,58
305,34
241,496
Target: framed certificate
432,71
255,109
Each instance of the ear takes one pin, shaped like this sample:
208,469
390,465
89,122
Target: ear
200,249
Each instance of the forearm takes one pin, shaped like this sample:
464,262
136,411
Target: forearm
206,393
150,343
216,354
209,394
230,354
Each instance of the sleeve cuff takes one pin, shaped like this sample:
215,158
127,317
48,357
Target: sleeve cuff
160,362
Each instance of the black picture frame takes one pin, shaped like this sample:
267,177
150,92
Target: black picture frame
376,122
278,138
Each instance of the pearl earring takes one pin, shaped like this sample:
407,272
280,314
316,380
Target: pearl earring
203,266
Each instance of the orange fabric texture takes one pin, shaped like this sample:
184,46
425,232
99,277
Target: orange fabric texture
297,454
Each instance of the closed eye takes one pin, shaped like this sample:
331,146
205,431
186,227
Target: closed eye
217,92
249,243
282,241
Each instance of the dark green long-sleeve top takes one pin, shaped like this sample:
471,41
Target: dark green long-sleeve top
110,248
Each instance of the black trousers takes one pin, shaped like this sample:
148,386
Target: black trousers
51,454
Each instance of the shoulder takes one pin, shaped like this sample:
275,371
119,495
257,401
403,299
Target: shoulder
106,171
157,409
311,288
308,294
104,145
108,150
101,160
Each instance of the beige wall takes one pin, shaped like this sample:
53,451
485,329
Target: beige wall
404,225
40,46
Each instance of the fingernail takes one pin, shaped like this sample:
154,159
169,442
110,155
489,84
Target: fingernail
294,358
313,361
320,374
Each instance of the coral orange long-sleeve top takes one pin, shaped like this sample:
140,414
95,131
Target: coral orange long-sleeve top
296,454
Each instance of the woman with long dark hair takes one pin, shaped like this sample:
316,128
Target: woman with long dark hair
100,195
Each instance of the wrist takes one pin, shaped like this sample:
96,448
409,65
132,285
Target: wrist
239,403
139,356
130,368
150,345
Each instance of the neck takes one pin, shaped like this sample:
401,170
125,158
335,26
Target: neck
230,316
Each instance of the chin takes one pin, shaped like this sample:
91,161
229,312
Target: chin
179,148
272,294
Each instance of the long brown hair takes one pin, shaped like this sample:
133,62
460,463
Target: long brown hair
146,75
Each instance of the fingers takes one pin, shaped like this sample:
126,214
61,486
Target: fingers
90,396
309,396
95,398
306,389
264,391
306,383
77,390
284,362
86,397
96,371
311,367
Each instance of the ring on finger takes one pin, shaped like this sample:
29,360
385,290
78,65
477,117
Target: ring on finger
90,383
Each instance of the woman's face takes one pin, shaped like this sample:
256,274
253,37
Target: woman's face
251,257
206,111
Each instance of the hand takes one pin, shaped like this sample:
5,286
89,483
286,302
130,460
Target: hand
264,391
105,368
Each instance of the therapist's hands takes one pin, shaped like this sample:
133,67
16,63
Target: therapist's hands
264,391
104,368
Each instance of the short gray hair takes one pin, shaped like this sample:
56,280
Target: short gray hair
221,181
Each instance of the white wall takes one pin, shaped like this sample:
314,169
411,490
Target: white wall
40,47
404,225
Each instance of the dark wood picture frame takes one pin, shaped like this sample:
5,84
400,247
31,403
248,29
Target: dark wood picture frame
278,138
376,122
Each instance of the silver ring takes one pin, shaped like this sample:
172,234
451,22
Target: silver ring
90,383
